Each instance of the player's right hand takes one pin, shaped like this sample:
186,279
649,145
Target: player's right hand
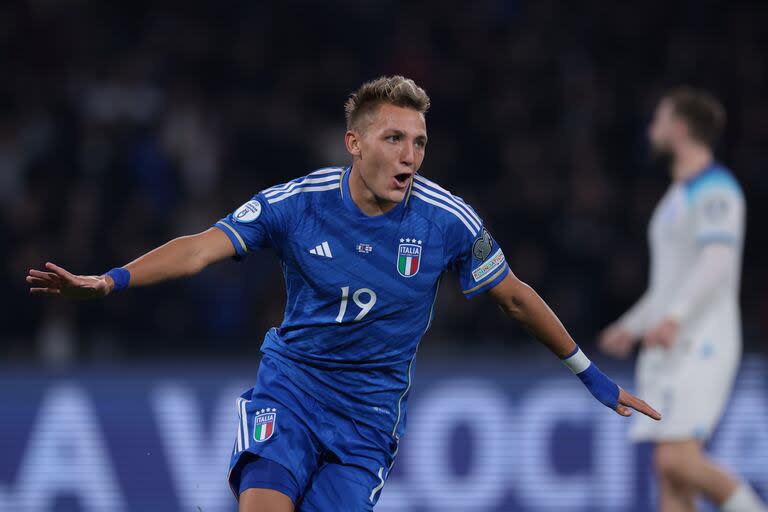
616,341
58,281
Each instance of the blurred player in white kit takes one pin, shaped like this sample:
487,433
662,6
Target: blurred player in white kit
688,320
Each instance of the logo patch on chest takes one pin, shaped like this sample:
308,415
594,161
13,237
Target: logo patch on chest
409,257
364,248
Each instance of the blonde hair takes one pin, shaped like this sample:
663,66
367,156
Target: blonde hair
394,90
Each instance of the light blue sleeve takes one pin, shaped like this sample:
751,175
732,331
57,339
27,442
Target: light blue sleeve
718,209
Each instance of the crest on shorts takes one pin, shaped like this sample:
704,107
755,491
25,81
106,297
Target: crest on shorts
408,257
264,424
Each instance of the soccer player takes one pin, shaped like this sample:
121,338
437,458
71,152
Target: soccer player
688,319
363,249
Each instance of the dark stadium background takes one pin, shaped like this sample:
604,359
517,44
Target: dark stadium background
124,124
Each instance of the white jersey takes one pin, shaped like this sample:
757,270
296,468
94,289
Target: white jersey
708,209
696,236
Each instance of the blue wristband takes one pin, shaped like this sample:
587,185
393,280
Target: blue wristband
604,389
121,277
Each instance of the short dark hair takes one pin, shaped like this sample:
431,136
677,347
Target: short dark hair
395,90
701,111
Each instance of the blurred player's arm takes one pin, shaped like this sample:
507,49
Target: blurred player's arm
620,337
704,281
181,257
521,302
636,320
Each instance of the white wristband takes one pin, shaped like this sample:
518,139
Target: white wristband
578,362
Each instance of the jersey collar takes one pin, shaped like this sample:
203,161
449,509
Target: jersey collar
393,214
708,169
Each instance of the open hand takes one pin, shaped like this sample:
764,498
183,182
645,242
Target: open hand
58,281
616,341
663,335
628,401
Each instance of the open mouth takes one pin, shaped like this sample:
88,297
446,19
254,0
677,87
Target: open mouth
402,179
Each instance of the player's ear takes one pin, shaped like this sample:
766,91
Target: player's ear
680,129
352,142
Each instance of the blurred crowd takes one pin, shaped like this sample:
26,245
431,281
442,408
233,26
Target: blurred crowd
123,125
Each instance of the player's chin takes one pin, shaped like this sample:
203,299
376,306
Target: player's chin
396,195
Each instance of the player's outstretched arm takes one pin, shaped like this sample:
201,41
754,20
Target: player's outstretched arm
183,256
522,303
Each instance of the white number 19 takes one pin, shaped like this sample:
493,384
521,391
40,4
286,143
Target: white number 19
365,307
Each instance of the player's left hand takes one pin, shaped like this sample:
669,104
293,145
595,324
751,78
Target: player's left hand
612,395
628,401
663,335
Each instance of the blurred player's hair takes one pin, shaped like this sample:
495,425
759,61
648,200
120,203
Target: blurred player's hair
702,113
395,90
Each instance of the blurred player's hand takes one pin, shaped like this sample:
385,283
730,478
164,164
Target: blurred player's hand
663,335
629,401
58,281
616,341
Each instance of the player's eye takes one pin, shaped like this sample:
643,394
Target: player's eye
420,143
393,138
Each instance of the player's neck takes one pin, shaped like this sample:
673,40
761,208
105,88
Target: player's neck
690,159
364,198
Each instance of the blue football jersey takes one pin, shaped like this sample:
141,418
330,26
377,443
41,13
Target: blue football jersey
361,290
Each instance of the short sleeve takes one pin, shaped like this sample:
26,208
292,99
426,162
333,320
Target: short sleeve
254,225
718,212
477,258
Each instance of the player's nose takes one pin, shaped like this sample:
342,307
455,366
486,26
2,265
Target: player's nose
407,155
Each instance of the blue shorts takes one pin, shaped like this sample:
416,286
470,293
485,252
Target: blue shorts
289,442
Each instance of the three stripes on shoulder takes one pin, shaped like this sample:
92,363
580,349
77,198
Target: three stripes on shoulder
318,181
432,193
422,188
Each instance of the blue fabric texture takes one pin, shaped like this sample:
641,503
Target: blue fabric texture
121,277
261,473
361,290
603,388
320,458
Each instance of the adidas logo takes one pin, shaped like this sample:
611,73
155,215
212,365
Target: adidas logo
322,250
